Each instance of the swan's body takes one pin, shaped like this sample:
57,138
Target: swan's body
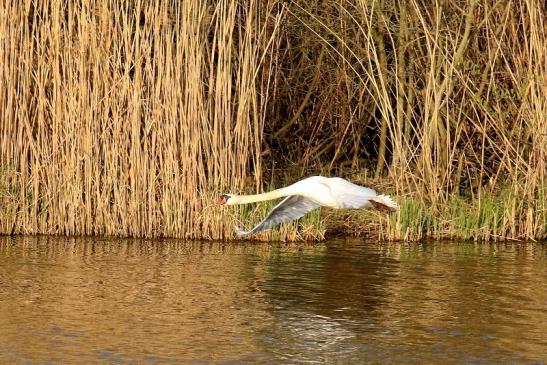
308,194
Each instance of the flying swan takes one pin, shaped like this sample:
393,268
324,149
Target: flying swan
308,194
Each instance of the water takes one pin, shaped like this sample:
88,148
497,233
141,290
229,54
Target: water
66,300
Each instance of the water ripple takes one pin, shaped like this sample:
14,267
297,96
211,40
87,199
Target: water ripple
65,300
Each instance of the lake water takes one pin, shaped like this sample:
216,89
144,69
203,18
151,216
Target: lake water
87,300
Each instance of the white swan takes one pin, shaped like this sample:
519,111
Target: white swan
308,194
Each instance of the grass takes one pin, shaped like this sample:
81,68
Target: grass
494,217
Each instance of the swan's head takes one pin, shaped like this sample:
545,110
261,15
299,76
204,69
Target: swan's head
224,199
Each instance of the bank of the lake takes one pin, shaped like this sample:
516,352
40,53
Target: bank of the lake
130,118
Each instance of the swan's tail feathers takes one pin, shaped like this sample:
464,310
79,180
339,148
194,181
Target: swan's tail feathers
384,203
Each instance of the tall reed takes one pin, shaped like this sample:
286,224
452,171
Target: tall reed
127,118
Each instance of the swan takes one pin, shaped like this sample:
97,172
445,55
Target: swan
308,194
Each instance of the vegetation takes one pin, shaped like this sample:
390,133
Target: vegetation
129,118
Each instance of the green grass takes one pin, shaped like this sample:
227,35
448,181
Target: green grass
494,216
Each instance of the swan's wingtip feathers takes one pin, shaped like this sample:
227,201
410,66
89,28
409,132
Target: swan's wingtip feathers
240,232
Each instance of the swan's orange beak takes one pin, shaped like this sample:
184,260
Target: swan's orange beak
221,200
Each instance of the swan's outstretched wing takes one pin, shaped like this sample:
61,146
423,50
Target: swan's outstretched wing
350,195
290,208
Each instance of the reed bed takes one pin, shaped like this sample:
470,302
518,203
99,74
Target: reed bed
441,103
126,118
129,118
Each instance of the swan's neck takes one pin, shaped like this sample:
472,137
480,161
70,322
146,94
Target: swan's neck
245,199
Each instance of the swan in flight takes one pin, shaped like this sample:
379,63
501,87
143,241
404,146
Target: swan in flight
308,194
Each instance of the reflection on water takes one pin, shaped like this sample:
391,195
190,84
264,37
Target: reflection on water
84,300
